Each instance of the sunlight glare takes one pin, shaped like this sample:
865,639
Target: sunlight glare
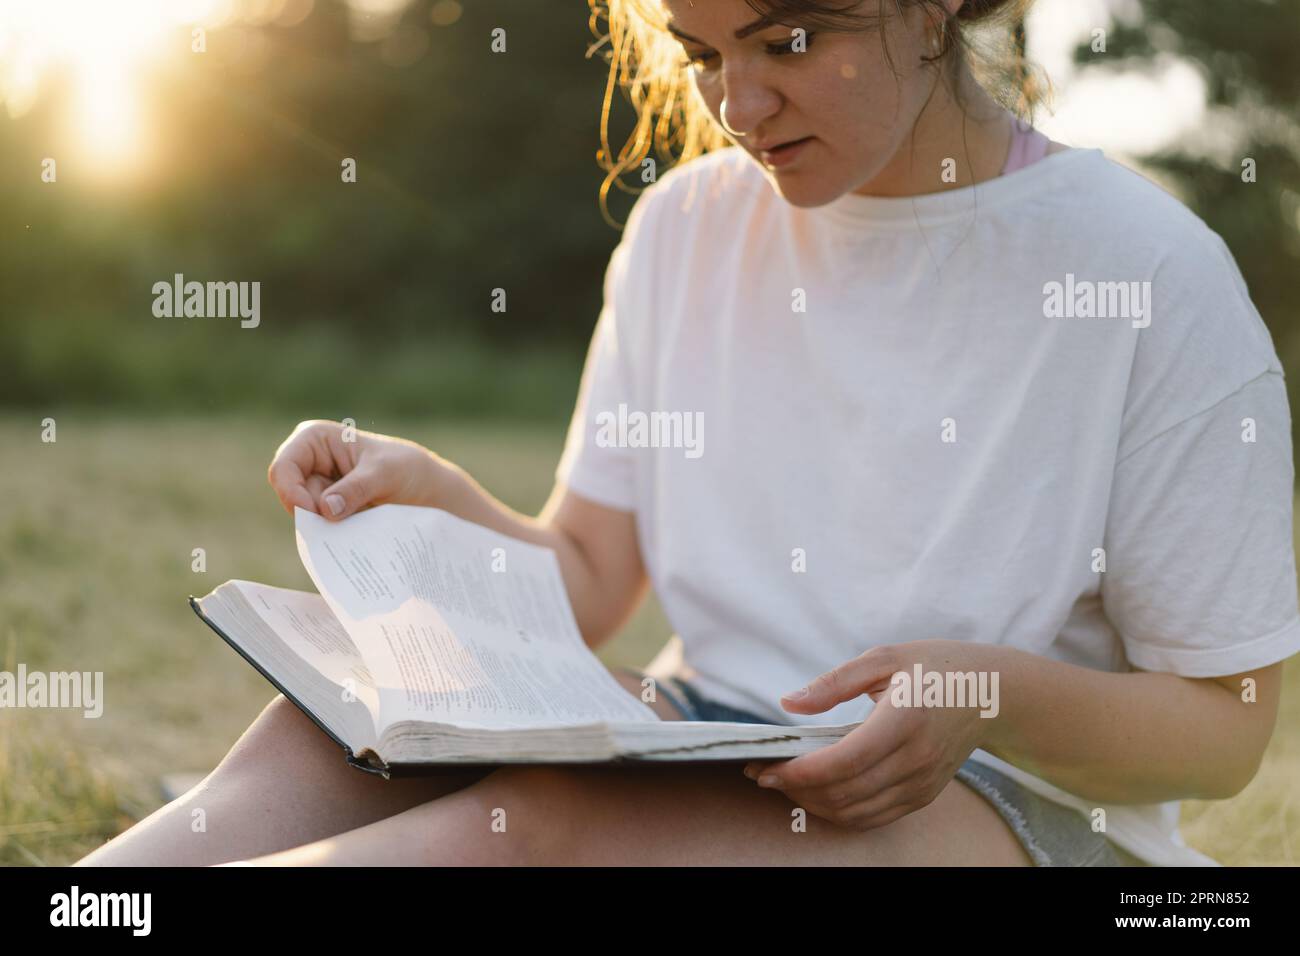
106,48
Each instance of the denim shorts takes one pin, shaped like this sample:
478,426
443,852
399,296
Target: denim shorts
1052,835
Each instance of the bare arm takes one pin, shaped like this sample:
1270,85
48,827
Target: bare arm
1135,737
1110,737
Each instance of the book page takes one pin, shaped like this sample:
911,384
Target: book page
457,623
305,624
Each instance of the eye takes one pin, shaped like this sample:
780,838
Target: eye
700,60
783,49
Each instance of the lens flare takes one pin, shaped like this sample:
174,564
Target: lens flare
107,50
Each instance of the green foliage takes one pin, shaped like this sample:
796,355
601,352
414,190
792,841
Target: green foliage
205,365
475,171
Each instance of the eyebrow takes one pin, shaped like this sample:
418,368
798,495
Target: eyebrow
759,24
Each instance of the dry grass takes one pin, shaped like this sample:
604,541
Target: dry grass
96,535
96,538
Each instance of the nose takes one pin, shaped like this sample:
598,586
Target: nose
746,104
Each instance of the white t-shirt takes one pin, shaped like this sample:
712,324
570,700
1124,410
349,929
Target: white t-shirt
894,428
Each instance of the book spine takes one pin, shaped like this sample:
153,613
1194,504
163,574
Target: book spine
365,764
347,751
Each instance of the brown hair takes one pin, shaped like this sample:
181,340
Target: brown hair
646,62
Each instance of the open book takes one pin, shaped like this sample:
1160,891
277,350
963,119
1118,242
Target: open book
436,641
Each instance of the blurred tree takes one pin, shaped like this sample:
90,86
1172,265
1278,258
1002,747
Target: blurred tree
476,171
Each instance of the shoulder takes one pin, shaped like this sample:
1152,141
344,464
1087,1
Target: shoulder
1111,220
695,206
1202,338
1135,216
707,192
692,206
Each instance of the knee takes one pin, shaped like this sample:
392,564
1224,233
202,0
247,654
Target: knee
281,735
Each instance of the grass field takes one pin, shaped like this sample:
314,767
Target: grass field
96,535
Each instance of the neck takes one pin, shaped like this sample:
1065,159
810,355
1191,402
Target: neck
976,139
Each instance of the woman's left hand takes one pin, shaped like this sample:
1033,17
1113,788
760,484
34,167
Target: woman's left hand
900,758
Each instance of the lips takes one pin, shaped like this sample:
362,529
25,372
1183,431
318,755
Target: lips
788,142
784,154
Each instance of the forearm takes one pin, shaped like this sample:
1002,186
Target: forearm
1121,738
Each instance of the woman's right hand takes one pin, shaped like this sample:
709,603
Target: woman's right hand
317,469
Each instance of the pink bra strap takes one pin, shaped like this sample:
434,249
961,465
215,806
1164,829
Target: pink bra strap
1028,146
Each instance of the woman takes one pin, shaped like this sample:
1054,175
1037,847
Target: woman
976,404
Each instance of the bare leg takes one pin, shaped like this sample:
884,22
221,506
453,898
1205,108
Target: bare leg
284,783
706,814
